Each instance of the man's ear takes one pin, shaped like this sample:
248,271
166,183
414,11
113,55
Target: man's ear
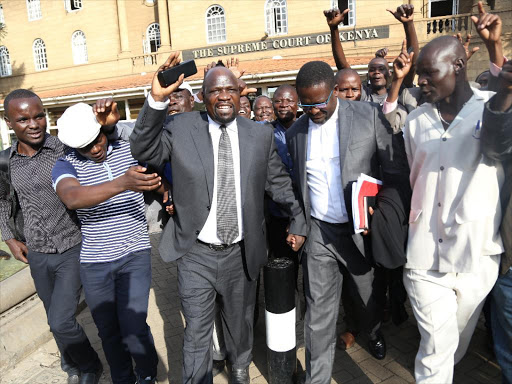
8,122
335,91
459,65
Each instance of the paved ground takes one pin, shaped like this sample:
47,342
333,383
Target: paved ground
354,366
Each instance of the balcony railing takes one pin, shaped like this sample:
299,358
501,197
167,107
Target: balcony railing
448,24
145,60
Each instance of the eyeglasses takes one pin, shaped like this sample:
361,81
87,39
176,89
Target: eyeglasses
319,105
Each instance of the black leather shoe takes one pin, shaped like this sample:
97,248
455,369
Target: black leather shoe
92,377
218,367
377,347
73,378
239,376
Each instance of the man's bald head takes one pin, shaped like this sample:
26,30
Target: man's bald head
441,68
349,84
221,95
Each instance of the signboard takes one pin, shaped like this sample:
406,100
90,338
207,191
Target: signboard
380,32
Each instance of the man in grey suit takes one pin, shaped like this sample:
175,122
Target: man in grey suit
222,166
331,145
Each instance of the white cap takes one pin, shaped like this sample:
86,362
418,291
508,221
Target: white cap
186,86
78,126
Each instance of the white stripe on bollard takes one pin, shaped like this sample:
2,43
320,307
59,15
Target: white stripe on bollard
280,330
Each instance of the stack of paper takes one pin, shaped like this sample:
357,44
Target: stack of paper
363,190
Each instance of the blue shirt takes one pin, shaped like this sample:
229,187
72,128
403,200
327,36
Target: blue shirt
116,227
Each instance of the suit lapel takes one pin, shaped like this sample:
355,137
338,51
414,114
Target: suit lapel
203,143
246,145
345,129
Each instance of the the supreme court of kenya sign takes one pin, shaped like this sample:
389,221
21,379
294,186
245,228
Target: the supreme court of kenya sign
380,32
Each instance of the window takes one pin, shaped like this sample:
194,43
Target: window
350,4
443,7
73,5
153,38
276,17
2,14
5,62
39,50
215,24
34,10
79,48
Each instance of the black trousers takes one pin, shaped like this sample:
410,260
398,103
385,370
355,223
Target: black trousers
57,280
203,275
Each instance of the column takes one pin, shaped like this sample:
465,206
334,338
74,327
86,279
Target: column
163,21
123,26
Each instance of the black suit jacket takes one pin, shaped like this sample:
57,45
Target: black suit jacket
185,142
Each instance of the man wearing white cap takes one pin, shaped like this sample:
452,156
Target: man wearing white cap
103,183
182,100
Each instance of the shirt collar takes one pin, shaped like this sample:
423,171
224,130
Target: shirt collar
214,126
50,142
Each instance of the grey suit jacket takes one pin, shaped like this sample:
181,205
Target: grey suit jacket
186,143
496,139
367,145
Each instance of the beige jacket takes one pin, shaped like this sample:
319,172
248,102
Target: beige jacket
455,208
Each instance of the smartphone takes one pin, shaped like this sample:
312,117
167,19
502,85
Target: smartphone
171,75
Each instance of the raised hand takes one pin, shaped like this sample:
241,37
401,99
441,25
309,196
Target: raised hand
469,53
383,52
487,25
403,62
233,67
404,13
134,179
159,92
335,17
106,111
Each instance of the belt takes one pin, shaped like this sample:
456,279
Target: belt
217,247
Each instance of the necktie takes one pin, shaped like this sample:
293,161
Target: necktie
227,218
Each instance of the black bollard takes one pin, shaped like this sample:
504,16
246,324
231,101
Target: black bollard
279,280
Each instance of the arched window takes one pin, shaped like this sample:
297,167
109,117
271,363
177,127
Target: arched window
350,4
276,17
79,48
153,38
5,62
34,10
40,60
215,24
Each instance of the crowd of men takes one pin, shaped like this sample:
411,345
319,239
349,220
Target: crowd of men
240,191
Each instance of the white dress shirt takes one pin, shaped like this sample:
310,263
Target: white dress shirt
324,171
455,207
208,233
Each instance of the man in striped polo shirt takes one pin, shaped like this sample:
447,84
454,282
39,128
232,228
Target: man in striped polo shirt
103,183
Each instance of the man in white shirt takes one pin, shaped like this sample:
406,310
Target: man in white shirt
222,166
331,145
454,243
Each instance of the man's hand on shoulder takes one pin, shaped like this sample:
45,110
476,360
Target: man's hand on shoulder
18,249
158,91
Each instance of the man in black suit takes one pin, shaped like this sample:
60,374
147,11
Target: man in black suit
330,146
222,166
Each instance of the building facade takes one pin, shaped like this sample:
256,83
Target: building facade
81,50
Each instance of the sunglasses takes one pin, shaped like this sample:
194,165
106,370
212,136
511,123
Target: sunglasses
319,105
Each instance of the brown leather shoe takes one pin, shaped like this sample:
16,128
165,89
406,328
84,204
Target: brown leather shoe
346,340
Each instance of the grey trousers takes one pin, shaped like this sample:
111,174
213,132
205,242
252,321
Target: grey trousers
329,255
203,275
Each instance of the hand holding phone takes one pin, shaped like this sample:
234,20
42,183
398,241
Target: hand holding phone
159,92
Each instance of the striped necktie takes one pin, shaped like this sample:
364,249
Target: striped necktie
227,217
